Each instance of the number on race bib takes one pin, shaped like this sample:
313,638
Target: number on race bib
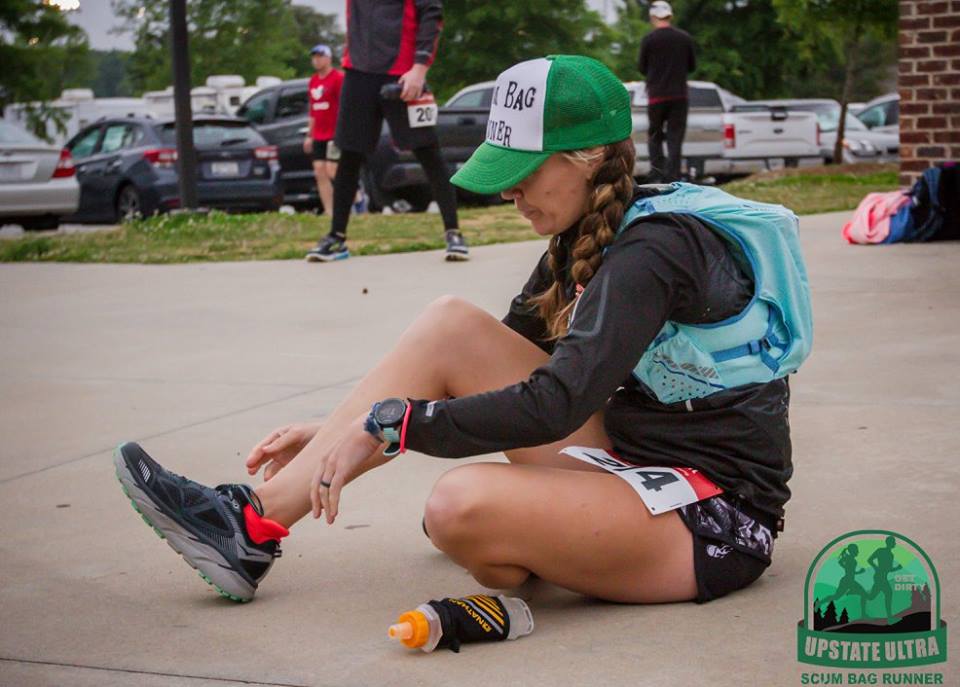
662,489
655,480
422,112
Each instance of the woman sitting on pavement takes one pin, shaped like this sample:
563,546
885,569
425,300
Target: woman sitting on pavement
597,351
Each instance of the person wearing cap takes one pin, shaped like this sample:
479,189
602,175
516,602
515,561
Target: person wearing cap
390,45
666,57
323,93
556,371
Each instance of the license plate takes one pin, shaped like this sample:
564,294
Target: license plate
422,112
661,489
224,169
11,172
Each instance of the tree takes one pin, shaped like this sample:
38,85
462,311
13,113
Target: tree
471,50
830,616
41,54
245,37
314,27
110,73
845,26
844,618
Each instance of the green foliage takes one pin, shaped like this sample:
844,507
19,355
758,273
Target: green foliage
245,37
481,39
750,47
41,54
845,26
110,73
314,27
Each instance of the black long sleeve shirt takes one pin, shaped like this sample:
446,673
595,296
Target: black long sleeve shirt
390,36
666,57
666,267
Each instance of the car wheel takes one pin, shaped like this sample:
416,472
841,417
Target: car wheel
41,223
129,206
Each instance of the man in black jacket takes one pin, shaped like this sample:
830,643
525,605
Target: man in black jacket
389,42
666,57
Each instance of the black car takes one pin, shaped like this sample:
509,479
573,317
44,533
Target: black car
280,114
128,167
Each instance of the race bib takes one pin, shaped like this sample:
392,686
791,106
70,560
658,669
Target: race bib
422,111
661,489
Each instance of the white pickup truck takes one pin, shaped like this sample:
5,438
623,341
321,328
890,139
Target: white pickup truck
727,136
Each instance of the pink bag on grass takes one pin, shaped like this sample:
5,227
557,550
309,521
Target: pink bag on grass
871,219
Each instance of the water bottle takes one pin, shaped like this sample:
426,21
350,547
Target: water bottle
450,622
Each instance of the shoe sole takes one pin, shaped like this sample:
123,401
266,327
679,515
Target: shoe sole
457,257
206,560
323,258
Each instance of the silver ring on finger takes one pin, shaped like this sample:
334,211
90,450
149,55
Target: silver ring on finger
324,484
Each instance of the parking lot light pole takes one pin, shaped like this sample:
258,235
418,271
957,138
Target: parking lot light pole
186,154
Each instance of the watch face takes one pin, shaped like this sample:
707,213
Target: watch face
390,412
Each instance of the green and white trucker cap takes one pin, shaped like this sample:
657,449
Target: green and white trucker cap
542,106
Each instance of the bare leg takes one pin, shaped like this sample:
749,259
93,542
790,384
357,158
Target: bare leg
428,362
588,532
546,513
325,183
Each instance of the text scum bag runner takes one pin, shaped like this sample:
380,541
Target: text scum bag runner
658,329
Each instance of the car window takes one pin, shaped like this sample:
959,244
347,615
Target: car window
257,109
473,100
212,134
704,97
85,144
893,112
114,137
873,116
292,103
14,134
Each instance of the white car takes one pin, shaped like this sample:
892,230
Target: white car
882,114
38,183
860,143
723,138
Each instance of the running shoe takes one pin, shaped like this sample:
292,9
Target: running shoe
456,246
207,526
330,248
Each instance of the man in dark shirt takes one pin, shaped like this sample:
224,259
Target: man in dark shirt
389,43
666,57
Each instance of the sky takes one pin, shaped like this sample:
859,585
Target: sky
96,18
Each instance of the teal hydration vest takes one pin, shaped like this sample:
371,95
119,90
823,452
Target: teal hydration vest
774,332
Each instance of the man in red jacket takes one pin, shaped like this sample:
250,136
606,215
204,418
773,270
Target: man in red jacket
389,42
323,93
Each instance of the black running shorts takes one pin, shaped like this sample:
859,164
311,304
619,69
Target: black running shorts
325,150
732,544
362,112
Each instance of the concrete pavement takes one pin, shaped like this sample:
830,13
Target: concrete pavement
198,362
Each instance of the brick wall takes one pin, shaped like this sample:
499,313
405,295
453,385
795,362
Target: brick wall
929,84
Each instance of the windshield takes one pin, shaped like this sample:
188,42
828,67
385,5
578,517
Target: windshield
828,116
14,134
214,134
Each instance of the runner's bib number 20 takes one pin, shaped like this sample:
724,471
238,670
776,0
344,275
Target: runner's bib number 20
422,111
661,489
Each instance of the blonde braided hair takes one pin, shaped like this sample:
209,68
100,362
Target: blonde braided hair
612,184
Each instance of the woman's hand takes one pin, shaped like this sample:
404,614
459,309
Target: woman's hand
356,452
280,447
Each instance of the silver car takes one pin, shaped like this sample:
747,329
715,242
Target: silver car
860,144
38,183
882,114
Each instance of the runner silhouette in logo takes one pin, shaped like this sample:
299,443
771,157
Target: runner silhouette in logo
882,563
848,583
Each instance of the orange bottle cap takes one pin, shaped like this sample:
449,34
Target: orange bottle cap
412,628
